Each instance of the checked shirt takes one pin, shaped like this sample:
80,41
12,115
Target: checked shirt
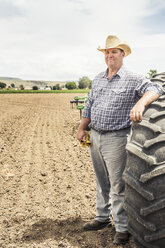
110,101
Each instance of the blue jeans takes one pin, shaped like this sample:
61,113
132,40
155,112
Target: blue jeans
108,155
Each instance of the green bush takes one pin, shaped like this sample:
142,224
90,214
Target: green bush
56,87
21,87
35,87
71,85
84,83
152,72
2,85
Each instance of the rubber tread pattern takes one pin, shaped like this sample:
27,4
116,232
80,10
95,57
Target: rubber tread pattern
155,236
131,181
133,213
136,151
153,207
150,126
140,240
145,175
157,115
159,170
149,143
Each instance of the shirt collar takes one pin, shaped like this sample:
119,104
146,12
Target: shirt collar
120,73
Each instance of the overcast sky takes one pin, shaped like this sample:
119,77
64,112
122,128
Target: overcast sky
58,39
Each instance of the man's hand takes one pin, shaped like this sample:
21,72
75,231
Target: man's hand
137,111
82,128
81,135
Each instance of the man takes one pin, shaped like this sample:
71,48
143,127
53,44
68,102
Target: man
117,98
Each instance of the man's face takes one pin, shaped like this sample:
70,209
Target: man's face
114,57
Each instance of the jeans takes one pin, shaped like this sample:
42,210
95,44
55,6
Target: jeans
108,153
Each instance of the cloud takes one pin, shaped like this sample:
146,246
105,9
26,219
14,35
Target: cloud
9,9
155,22
58,39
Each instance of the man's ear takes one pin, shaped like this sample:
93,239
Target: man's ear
123,53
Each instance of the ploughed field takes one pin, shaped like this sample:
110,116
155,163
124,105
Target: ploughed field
47,183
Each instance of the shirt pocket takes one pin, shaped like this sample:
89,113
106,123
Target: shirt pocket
119,91
118,96
98,93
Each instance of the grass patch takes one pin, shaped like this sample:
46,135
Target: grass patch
5,91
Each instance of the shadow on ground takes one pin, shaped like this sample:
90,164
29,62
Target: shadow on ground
70,230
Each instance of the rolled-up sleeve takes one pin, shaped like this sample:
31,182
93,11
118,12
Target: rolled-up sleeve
146,85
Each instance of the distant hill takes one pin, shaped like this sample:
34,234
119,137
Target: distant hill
29,83
9,78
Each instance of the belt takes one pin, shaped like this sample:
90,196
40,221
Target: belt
110,131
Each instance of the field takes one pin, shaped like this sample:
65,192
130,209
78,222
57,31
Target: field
47,181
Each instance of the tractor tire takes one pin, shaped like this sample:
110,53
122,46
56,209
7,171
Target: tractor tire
144,175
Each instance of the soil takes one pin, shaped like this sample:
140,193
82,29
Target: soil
47,183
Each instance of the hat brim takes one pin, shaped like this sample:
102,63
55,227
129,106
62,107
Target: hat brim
124,47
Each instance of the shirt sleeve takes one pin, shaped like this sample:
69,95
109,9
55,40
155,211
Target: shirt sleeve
87,110
146,85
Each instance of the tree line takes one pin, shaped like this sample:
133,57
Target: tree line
83,83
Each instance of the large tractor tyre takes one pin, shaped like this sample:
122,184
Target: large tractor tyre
145,176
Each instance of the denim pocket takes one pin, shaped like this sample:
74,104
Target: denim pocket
123,132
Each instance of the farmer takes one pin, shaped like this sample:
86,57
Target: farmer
117,98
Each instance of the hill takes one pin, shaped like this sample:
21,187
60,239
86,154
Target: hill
9,78
29,83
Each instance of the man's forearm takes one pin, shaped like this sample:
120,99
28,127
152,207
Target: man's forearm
148,97
84,123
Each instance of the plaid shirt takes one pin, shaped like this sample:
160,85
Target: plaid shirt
110,101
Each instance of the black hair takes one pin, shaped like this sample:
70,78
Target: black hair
121,50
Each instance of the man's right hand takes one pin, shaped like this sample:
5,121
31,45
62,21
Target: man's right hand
81,134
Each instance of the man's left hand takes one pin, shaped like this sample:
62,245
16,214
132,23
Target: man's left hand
138,109
137,112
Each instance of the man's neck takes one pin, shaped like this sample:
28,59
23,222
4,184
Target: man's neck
113,70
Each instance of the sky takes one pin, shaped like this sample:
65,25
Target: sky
57,39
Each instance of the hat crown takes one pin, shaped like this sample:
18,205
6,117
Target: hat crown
112,41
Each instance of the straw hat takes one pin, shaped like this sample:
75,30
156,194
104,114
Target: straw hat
115,42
